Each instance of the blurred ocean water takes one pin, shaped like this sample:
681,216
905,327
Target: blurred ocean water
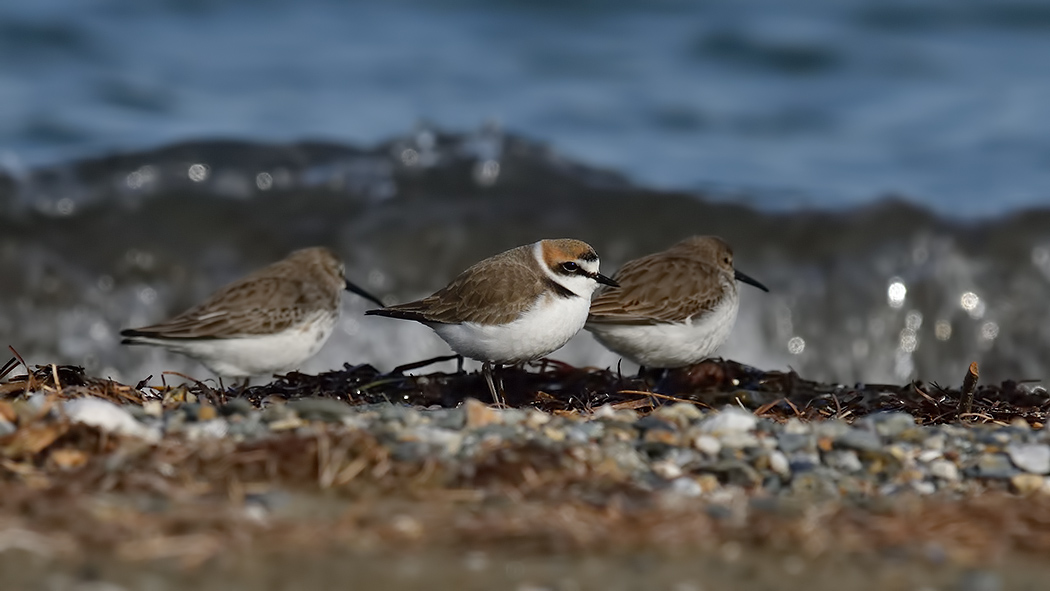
809,103
151,151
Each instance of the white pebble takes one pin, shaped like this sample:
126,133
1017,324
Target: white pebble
778,462
1033,458
107,417
707,444
929,455
730,420
944,470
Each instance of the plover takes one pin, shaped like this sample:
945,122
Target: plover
514,307
268,322
673,308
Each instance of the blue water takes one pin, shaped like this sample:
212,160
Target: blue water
779,104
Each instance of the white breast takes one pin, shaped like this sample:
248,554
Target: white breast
543,329
670,344
257,355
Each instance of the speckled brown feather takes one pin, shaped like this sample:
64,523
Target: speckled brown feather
272,299
687,280
496,290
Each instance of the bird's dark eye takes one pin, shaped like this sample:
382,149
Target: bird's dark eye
728,261
570,267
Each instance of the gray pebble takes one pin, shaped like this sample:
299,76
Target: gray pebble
845,460
686,487
6,427
887,424
1030,457
944,470
995,466
859,440
730,420
793,442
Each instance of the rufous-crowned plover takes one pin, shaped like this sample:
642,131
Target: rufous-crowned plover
673,308
514,307
267,322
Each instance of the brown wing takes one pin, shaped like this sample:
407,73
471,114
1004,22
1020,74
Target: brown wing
656,289
254,305
495,291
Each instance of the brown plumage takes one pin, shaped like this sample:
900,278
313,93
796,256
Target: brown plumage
272,299
497,290
686,280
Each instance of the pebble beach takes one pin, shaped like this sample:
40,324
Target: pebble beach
202,480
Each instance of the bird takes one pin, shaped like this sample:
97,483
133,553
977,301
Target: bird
513,307
673,308
265,323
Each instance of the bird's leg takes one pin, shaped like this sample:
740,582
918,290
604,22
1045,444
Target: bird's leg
486,370
459,364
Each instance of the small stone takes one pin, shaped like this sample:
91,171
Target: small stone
1026,484
832,428
887,424
1033,458
793,442
803,461
680,412
554,434
779,464
739,440
660,436
795,426
844,460
944,470
286,424
859,440
212,429
935,442
707,444
708,482
108,417
654,423
995,465
730,420
480,414
924,487
686,487
667,470
737,473
535,419
929,455
6,427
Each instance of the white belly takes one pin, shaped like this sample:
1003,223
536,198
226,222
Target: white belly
538,332
669,344
260,355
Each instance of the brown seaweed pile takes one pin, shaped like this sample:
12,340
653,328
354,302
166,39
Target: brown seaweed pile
555,387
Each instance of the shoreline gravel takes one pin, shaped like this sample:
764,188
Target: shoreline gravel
91,470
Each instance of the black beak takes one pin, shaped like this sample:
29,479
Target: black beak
355,289
741,277
603,279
